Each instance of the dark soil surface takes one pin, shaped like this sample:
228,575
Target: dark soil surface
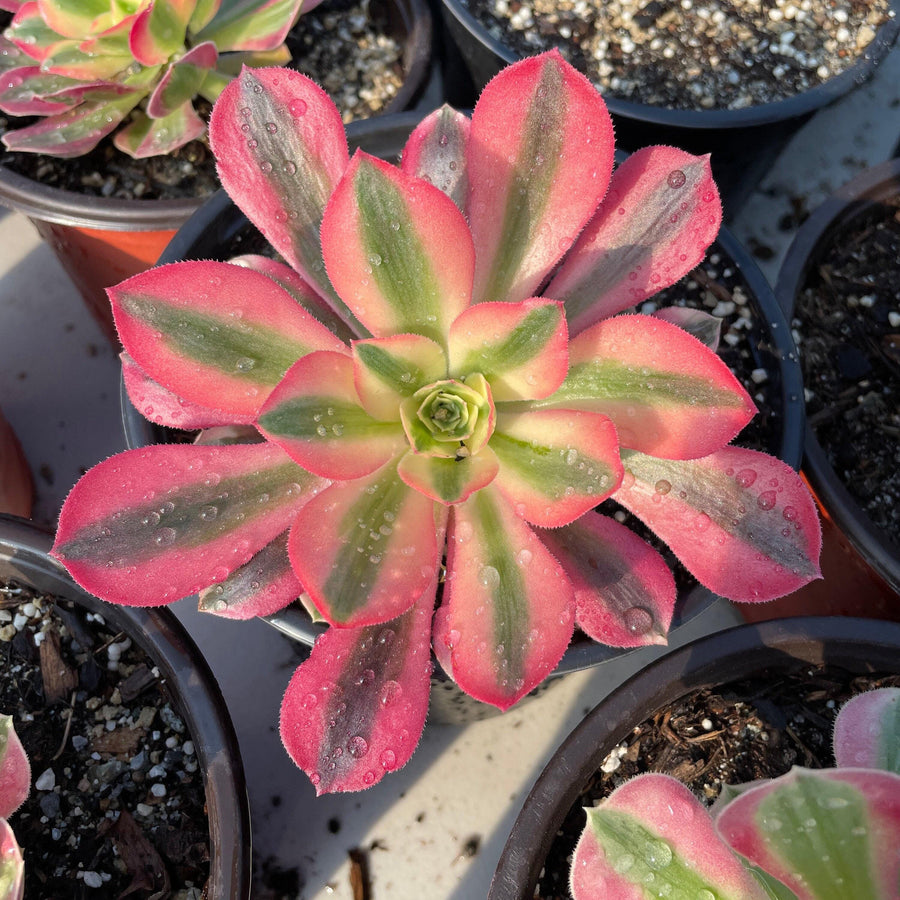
847,321
117,805
344,45
757,728
692,54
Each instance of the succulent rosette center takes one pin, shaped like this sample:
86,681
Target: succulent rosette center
451,419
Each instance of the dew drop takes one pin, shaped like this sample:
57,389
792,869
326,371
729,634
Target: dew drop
271,127
208,513
297,107
165,536
659,853
489,577
244,364
310,701
357,746
151,519
663,486
390,691
289,167
638,620
676,178
766,500
745,477
524,556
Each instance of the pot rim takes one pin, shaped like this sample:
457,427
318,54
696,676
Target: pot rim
864,645
762,114
24,556
64,207
851,200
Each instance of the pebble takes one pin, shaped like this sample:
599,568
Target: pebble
158,790
92,879
46,781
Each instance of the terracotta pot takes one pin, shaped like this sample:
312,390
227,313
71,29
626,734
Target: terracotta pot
744,142
101,241
24,558
765,650
16,485
860,563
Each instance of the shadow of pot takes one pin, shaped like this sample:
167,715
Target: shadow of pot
101,241
859,646
24,558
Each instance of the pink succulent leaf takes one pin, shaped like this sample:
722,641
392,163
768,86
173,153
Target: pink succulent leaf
653,829
385,236
520,348
145,136
12,866
540,156
436,152
225,435
203,14
365,550
162,406
668,394
660,214
449,480
260,587
232,64
867,731
308,299
15,771
182,81
27,91
556,464
280,151
75,18
743,523
159,31
228,333
150,526
252,24
388,370
11,56
31,34
624,591
510,609
703,326
355,710
74,132
316,416
11,5
825,833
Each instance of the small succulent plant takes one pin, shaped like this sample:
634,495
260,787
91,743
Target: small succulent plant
812,834
87,66
15,779
423,425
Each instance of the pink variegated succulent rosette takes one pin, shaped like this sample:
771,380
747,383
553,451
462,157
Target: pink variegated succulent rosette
443,385
15,783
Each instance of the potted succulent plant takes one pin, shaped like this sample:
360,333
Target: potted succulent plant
133,777
838,285
455,448
138,74
742,695
734,81
15,782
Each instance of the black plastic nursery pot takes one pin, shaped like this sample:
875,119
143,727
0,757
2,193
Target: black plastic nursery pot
767,651
24,559
219,230
743,142
862,549
100,241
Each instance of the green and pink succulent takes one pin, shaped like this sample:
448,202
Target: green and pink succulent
812,834
443,380
15,781
87,67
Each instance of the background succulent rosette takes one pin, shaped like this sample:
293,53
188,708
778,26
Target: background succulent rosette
443,379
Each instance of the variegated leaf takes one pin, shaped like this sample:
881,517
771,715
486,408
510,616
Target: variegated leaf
355,710
182,81
218,335
365,550
164,407
30,33
510,610
252,24
153,525
436,152
12,866
668,394
15,770
828,834
260,587
27,91
159,31
867,731
384,239
316,416
540,158
75,18
203,14
556,464
743,523
661,213
624,591
653,831
449,481
520,348
388,370
145,136
280,146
